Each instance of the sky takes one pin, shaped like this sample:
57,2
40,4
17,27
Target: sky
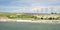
30,6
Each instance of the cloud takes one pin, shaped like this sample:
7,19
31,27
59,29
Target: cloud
46,3
28,5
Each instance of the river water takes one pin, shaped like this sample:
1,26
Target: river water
28,26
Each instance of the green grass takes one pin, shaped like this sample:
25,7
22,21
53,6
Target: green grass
14,15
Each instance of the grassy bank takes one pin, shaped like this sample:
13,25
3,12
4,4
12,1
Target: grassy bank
14,15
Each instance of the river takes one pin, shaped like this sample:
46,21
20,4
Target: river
28,26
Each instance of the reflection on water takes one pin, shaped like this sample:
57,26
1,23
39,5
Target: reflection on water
28,26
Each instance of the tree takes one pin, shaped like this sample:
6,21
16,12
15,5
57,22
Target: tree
52,13
50,18
41,18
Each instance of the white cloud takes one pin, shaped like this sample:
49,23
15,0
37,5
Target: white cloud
32,5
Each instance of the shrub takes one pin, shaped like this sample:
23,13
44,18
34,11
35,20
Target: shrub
50,18
41,18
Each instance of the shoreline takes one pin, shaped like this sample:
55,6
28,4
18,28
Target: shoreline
41,21
32,21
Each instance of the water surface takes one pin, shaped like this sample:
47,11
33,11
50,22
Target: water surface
28,26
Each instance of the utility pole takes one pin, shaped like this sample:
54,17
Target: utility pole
46,10
37,10
41,10
51,10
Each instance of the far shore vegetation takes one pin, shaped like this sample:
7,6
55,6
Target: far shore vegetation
34,16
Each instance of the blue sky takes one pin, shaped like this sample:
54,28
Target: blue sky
30,6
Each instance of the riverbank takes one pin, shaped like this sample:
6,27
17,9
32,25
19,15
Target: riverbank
31,21
35,16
